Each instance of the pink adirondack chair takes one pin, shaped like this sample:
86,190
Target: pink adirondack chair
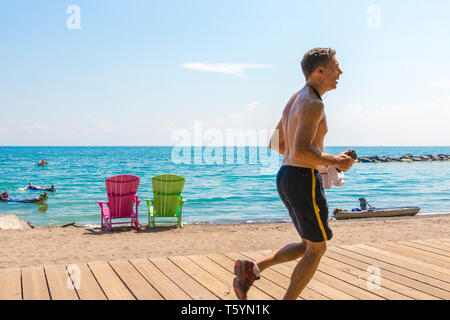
122,196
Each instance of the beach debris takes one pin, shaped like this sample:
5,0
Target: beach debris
13,222
71,224
406,158
68,224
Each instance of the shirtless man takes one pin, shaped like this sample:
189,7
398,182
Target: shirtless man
33,187
299,137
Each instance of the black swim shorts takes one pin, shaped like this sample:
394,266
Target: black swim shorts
302,193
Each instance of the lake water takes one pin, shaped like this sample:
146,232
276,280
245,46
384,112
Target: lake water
238,186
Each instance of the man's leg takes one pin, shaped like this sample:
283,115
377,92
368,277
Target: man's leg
246,274
305,269
287,253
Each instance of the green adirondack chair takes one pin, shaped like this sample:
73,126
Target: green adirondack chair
167,199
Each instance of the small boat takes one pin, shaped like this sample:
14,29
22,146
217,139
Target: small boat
368,211
381,212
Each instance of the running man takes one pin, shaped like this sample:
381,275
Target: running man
299,137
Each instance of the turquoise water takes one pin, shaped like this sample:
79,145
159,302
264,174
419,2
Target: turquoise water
242,191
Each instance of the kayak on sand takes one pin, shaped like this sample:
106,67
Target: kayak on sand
367,211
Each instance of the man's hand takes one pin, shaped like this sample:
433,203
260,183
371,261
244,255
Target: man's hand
343,161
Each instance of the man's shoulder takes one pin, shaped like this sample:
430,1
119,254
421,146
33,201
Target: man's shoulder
310,104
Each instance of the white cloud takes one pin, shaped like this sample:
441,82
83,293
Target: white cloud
228,68
424,123
100,124
164,126
252,116
92,125
36,127
443,84
253,106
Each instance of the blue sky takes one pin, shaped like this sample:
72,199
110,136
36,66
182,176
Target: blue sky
138,71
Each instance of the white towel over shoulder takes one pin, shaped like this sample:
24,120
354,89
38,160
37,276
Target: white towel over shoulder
331,177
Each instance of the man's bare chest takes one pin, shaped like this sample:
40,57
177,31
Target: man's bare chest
322,128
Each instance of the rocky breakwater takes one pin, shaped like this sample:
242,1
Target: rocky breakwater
406,158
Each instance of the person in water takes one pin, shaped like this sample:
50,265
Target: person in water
4,196
42,196
42,162
32,187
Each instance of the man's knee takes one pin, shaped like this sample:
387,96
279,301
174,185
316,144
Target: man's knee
316,249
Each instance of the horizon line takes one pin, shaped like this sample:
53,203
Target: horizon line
184,146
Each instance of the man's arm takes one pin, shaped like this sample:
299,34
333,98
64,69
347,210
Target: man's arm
306,130
276,142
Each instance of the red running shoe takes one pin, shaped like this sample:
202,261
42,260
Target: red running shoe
245,277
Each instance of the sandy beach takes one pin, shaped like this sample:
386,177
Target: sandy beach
56,245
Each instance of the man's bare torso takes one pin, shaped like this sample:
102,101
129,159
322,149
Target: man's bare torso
290,121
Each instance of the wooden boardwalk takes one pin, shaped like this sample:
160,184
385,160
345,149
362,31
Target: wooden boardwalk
416,269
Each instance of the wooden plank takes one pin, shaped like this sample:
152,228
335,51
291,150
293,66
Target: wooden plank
315,285
263,283
194,289
331,280
435,245
11,286
423,253
425,268
134,281
443,244
447,240
387,289
110,283
166,287
220,289
395,266
322,268
57,278
389,280
364,292
425,247
415,254
34,284
88,288
283,280
338,269
226,276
